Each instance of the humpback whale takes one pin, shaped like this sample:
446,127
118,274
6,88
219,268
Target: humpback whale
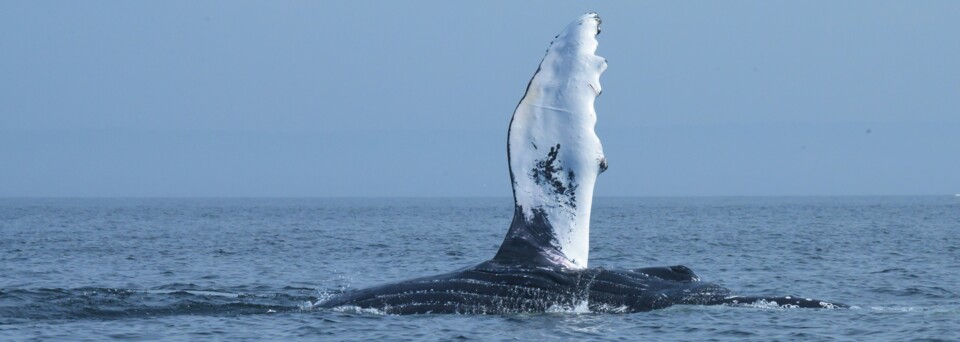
554,157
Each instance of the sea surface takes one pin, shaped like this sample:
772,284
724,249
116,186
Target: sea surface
250,269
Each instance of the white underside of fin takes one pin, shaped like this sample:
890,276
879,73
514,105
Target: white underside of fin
555,155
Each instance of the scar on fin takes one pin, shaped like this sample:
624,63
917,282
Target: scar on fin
595,89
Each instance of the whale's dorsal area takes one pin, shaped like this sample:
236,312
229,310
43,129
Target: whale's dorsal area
554,153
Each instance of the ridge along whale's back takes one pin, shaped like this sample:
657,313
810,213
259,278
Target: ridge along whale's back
554,153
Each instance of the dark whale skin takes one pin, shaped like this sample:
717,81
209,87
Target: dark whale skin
495,288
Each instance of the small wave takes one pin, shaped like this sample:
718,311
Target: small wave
196,293
111,303
889,270
932,292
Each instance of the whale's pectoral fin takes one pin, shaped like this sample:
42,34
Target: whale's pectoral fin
554,153
530,241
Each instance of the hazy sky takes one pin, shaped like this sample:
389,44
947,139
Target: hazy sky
354,98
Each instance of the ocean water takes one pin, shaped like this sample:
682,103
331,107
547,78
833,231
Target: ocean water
240,269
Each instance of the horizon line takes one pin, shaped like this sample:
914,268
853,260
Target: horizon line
4,197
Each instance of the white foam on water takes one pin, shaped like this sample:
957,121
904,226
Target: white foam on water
358,310
580,307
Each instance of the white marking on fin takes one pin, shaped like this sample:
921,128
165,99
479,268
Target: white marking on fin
557,114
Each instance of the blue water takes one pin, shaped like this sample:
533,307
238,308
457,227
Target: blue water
228,269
